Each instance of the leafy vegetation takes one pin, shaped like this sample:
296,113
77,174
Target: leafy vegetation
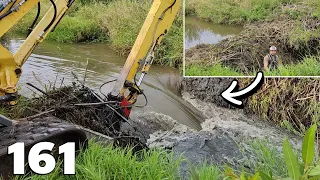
307,169
240,12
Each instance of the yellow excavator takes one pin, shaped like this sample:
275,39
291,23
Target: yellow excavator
125,91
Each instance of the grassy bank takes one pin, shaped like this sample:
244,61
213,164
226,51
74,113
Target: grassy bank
240,12
106,162
289,102
307,67
115,22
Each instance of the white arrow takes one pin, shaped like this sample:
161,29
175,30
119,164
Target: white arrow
230,96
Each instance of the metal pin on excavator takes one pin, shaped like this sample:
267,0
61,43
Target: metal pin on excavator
126,90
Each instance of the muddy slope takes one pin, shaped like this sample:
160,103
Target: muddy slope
225,137
226,134
207,89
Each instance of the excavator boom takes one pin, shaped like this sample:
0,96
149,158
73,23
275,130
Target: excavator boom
11,64
155,27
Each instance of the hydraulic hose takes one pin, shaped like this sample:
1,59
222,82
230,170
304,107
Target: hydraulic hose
4,4
54,16
12,9
35,20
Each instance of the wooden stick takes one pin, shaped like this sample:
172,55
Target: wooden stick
35,116
309,97
96,104
85,73
36,88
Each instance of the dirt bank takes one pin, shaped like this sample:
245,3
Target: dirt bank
289,102
207,89
295,39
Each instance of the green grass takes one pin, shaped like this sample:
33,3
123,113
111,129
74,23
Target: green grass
205,172
308,67
115,22
216,70
236,12
104,162
268,158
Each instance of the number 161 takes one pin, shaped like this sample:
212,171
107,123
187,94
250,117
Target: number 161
35,157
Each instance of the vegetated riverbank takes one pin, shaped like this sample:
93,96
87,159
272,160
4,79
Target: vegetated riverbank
114,22
288,102
293,26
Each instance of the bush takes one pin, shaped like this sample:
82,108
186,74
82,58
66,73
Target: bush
234,11
308,169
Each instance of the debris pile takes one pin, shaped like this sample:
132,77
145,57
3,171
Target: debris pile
79,105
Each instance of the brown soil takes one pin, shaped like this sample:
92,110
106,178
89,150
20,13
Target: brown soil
246,51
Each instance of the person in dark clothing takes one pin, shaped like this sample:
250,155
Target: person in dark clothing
271,61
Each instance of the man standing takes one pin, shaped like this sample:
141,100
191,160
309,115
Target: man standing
271,61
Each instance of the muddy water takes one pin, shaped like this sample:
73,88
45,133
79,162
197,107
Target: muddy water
52,63
202,32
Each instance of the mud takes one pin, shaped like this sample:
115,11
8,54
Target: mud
48,129
245,52
224,139
207,89
226,134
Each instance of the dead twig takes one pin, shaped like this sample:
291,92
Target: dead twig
36,116
29,84
96,104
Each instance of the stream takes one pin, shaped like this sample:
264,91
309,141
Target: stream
51,64
202,32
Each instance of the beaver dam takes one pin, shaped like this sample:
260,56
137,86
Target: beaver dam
79,105
296,39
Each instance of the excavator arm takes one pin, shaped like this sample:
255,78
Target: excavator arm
155,27
125,91
127,87
11,11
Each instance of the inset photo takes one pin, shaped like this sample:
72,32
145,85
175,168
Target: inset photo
241,38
